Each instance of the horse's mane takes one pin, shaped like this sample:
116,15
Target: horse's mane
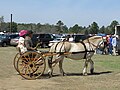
92,38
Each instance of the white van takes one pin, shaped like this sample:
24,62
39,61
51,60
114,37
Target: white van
117,34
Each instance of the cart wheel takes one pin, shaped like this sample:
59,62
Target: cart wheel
31,65
15,61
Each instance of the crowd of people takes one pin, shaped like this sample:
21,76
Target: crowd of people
109,45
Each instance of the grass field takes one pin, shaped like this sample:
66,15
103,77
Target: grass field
106,76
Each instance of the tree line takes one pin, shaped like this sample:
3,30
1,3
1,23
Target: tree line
59,27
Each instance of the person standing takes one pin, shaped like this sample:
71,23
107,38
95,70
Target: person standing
105,41
110,45
114,43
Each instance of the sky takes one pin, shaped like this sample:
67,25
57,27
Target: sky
70,12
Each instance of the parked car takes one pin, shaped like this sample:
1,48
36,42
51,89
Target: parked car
79,37
73,38
55,40
14,41
43,39
5,39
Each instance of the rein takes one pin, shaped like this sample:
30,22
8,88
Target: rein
60,47
92,43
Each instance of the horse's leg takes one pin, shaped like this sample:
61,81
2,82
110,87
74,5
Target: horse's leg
91,66
50,71
85,67
60,67
52,64
59,58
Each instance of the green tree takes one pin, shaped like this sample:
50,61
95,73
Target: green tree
86,32
21,26
65,29
108,30
94,28
102,29
38,26
14,27
112,26
59,25
75,29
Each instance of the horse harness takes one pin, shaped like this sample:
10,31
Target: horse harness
62,53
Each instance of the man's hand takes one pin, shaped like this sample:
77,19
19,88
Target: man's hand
37,44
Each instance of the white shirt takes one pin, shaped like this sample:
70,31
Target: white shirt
21,45
114,42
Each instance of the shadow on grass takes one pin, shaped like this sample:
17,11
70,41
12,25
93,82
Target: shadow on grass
46,76
43,76
95,73
99,73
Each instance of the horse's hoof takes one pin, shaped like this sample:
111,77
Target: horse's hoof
92,71
64,74
85,74
49,74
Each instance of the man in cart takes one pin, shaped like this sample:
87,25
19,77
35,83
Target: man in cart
28,41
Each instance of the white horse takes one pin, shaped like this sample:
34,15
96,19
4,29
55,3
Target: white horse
73,50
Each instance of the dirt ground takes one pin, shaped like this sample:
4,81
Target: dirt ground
103,79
